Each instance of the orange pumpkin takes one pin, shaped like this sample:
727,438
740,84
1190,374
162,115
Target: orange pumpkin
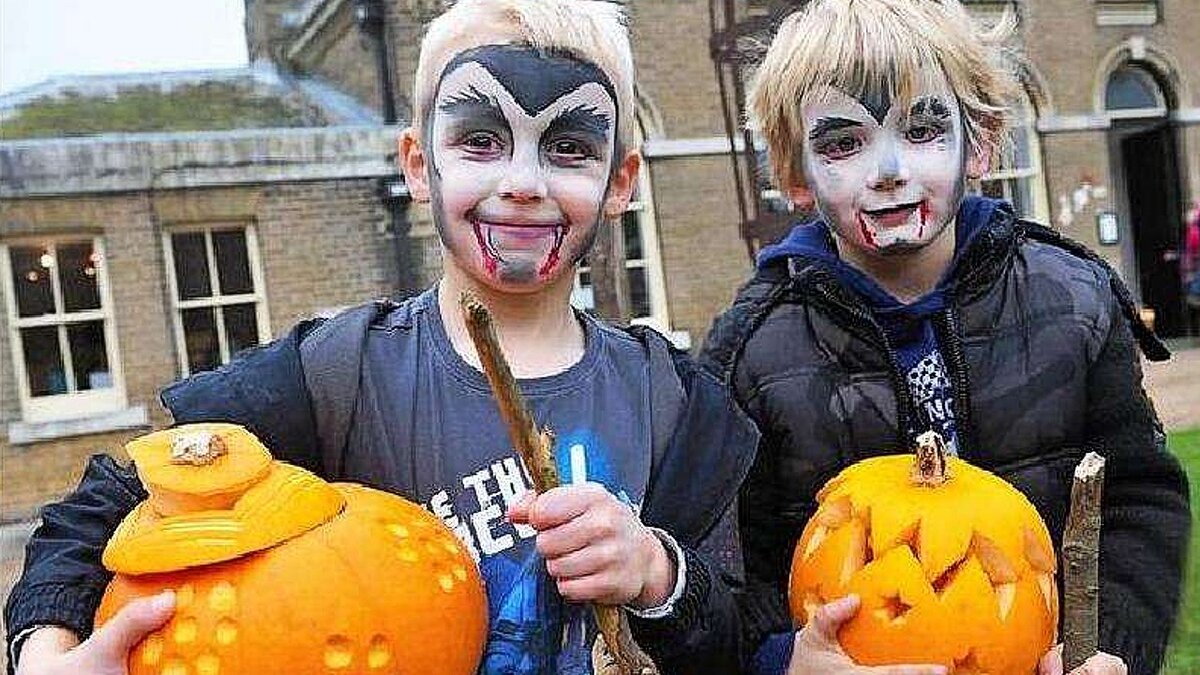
276,571
953,565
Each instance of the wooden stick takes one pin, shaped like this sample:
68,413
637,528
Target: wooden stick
1081,562
536,448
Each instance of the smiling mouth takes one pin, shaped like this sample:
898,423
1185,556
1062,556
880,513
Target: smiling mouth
893,224
499,241
892,216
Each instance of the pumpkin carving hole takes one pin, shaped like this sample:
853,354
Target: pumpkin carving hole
946,578
894,609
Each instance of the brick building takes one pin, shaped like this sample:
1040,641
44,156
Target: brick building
300,221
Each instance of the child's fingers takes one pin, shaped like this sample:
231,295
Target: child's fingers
829,617
913,669
562,504
574,535
518,511
112,642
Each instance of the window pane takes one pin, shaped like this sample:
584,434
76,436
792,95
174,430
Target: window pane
200,336
43,361
241,327
633,236
1020,145
31,268
1022,196
1130,87
233,263
191,265
89,356
639,296
77,265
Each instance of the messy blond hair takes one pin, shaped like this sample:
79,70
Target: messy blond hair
860,45
592,30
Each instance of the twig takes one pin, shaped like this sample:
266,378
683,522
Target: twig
1081,560
535,446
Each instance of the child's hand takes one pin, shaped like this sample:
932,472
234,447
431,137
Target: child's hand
1099,664
817,649
595,547
57,651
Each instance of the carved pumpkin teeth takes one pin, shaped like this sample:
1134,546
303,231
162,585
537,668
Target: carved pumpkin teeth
1046,586
1006,595
1037,553
836,513
814,542
993,560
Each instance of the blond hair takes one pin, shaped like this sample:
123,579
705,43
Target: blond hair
860,45
592,30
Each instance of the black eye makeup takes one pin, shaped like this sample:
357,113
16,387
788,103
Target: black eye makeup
836,137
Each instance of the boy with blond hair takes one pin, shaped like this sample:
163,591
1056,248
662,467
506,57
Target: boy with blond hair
907,307
521,141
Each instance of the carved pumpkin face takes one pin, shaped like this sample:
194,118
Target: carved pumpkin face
959,573
277,571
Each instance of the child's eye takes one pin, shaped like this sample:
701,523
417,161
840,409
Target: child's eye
481,143
570,150
839,147
923,133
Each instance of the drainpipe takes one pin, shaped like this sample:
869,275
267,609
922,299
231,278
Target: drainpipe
372,20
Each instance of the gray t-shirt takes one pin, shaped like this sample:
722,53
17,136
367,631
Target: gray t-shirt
427,427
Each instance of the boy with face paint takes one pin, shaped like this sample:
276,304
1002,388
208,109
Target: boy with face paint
521,145
906,307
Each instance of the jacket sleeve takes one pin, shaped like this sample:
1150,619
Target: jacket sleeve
1144,531
64,579
695,487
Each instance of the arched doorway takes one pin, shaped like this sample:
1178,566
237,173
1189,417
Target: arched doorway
1145,164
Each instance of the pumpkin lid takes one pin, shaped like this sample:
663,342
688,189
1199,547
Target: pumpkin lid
215,495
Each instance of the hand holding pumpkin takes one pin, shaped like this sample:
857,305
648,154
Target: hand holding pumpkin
817,650
595,547
1100,663
57,651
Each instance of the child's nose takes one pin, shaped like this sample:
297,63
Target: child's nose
890,172
524,181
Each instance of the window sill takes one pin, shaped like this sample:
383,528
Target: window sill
24,433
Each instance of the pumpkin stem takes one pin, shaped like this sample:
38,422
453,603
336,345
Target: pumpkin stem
929,467
197,448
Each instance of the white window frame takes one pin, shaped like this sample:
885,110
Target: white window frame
73,404
1032,173
217,299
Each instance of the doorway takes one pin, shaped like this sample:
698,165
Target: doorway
1147,157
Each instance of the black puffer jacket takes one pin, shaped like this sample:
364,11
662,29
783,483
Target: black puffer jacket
1039,340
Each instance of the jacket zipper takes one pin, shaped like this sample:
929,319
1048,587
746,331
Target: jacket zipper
952,351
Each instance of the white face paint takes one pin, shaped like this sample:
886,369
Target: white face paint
887,178
518,192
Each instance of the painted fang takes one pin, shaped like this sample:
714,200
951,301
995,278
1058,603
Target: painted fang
522,146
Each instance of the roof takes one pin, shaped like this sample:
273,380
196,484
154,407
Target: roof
255,97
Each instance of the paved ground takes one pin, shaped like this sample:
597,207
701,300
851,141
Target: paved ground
1174,386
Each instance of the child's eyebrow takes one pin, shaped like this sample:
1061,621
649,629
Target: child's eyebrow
826,124
472,103
931,105
583,118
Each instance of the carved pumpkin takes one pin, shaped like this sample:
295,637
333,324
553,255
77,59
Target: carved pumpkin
276,571
952,564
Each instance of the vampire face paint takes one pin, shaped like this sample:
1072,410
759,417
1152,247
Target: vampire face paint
887,177
521,143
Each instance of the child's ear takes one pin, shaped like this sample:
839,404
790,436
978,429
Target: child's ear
413,165
620,187
801,197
